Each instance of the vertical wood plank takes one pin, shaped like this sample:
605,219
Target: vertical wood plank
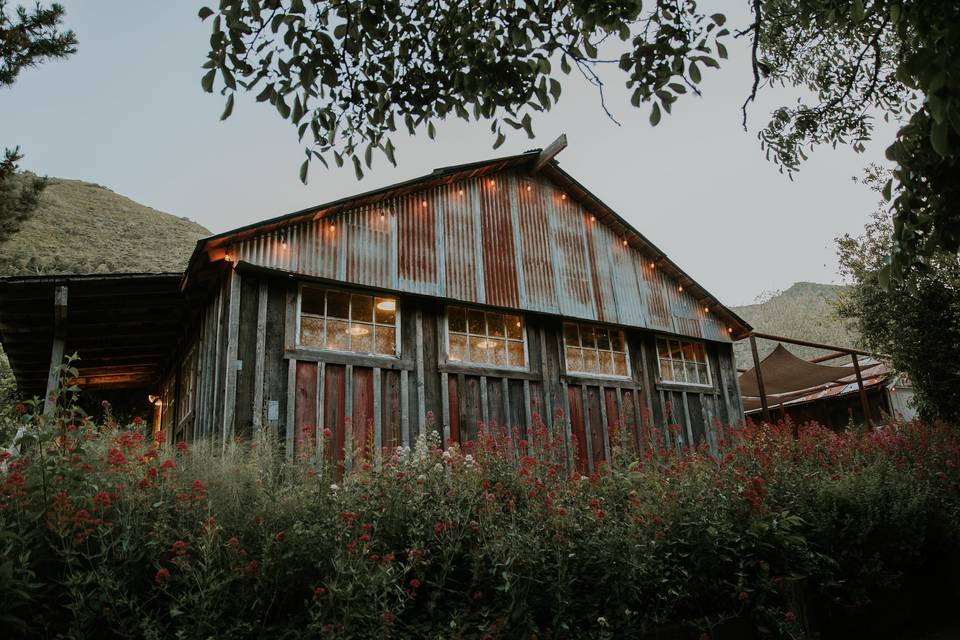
604,423
405,408
484,403
377,418
587,427
526,406
291,401
233,329
258,364
505,392
350,427
420,382
445,405
686,416
321,416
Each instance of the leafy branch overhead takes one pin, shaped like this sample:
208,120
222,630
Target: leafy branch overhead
348,74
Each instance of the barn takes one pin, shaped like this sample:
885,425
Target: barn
496,292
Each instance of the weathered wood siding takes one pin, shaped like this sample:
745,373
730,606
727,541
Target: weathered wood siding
506,239
367,403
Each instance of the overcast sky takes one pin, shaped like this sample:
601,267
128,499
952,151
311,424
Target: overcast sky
127,112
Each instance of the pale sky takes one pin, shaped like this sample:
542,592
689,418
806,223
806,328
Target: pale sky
127,112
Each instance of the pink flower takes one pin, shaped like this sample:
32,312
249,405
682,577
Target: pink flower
168,464
163,574
233,543
102,500
389,618
179,547
251,567
415,584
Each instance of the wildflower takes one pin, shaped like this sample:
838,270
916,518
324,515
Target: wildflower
364,538
334,487
416,553
251,567
168,464
102,500
789,616
319,591
233,543
116,458
137,420
198,487
743,596
182,446
20,408
179,548
415,584
279,537
389,618
163,574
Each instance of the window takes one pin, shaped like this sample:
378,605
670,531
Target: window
485,338
343,321
683,361
595,350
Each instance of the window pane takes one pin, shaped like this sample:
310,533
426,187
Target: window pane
361,338
495,325
586,337
662,349
479,350
338,304
704,375
517,358
311,301
475,322
591,363
603,339
498,352
458,347
691,370
699,352
311,331
337,336
676,351
385,311
574,359
616,340
571,337
386,340
606,363
620,364
362,308
666,372
514,327
457,319
689,352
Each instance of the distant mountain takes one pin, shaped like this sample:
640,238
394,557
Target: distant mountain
80,227
804,311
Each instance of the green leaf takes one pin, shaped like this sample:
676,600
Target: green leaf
389,151
887,190
655,114
719,19
431,130
357,169
694,73
205,12
939,133
207,80
858,11
228,109
500,140
303,170
564,65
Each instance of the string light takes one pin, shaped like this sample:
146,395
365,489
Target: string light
680,288
563,196
706,309
461,191
624,242
424,203
593,218
529,188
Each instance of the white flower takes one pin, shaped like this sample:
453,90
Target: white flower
334,487
584,478
469,459
447,455
438,467
421,478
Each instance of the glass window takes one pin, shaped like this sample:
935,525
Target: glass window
595,350
683,361
486,338
345,321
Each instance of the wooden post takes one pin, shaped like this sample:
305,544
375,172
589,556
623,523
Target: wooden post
59,345
863,394
756,369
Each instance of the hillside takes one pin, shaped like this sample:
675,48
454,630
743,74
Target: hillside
804,311
79,227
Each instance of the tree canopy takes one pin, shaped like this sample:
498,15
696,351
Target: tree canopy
350,73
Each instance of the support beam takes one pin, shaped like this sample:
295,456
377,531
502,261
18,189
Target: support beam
815,345
756,368
549,153
864,403
59,345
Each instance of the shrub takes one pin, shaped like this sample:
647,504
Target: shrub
107,533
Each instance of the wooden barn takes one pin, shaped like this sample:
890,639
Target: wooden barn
482,293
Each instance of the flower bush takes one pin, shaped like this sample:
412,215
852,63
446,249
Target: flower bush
107,532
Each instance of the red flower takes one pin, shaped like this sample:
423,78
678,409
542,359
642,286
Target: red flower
179,547
327,433
233,543
279,537
137,420
163,574
116,458
743,596
364,538
319,591
20,408
182,446
251,567
101,500
389,618
198,487
168,464
415,584
789,616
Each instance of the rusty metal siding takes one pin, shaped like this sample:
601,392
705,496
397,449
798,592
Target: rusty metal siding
515,243
500,278
417,235
461,264
536,262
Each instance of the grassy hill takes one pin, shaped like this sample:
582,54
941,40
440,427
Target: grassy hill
804,311
79,227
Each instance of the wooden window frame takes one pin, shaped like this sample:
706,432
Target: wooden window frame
588,374
483,365
398,342
682,341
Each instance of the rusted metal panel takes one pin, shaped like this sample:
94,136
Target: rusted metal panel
500,277
506,239
461,264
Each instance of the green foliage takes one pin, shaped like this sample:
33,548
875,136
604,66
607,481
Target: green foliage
806,310
115,535
79,227
915,321
19,193
30,37
348,74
